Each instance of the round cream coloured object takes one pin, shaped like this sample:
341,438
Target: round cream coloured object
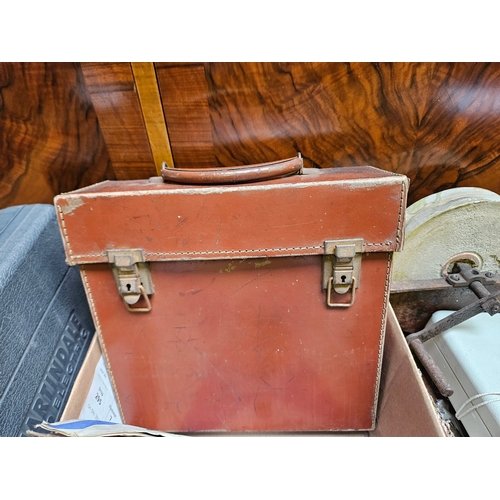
459,224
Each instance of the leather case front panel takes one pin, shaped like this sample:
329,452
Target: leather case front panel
244,345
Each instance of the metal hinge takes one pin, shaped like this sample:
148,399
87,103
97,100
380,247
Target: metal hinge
132,277
341,269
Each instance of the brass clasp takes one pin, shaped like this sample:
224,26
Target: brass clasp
132,277
341,269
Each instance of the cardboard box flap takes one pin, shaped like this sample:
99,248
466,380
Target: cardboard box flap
405,407
187,215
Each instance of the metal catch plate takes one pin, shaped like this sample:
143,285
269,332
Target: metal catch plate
341,269
132,277
339,256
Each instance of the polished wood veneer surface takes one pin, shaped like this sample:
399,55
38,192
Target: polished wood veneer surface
50,140
437,123
185,101
116,101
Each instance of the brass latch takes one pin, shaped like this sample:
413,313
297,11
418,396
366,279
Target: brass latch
132,277
341,269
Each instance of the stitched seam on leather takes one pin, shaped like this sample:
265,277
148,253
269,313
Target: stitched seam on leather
101,340
219,252
65,234
102,254
384,244
383,326
229,252
399,230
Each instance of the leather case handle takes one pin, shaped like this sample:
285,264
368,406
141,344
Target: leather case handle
233,175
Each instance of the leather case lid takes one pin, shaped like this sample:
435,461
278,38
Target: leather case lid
281,217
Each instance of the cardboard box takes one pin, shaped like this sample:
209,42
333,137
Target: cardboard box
405,408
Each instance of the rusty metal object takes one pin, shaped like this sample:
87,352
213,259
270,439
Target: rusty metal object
463,275
414,301
442,385
486,304
471,257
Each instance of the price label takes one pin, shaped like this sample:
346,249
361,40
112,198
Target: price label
101,402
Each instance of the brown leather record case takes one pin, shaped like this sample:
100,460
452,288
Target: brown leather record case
258,306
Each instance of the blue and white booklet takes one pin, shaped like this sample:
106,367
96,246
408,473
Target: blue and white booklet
96,428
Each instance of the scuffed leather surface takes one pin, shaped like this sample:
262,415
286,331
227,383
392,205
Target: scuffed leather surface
283,217
240,337
244,345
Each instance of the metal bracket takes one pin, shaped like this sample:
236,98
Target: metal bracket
132,277
462,275
341,269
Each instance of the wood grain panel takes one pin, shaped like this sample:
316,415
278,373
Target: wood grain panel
438,123
435,122
50,141
108,77
113,93
185,103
